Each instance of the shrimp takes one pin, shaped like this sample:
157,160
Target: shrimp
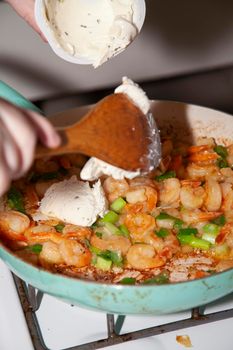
74,253
142,194
169,192
213,192
42,234
139,224
200,172
165,247
114,243
76,232
196,216
227,194
13,225
230,155
192,198
202,154
115,188
143,256
50,254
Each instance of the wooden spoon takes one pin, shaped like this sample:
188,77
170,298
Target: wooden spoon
115,131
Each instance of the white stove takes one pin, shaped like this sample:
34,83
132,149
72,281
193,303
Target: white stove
64,326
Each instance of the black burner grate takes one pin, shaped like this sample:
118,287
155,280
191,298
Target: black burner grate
31,300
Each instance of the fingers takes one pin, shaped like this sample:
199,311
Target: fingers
45,131
25,9
20,130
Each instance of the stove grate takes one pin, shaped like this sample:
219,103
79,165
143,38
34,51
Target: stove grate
31,299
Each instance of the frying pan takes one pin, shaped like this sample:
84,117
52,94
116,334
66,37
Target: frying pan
186,122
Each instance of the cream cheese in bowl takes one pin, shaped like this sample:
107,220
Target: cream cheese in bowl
89,31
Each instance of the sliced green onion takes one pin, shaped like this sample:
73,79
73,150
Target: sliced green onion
222,163
167,175
124,230
162,233
128,280
188,231
220,221
94,250
59,227
114,257
211,228
36,248
221,151
99,234
193,241
162,278
114,230
118,205
110,216
15,200
164,216
103,264
210,237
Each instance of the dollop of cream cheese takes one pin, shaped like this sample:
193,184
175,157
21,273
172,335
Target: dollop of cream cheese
94,168
96,30
74,202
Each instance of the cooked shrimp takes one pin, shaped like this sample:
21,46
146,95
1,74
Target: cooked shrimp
13,224
114,243
76,232
202,154
230,155
200,172
50,254
169,192
42,234
74,253
192,198
227,194
139,224
143,256
213,192
224,265
196,216
115,188
142,194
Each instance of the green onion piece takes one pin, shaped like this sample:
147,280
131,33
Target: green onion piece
222,163
99,234
128,280
87,243
188,231
124,230
221,151
193,241
59,227
220,221
118,205
114,257
112,229
167,175
103,264
162,233
15,200
110,216
178,224
162,278
164,216
210,237
94,250
36,248
211,228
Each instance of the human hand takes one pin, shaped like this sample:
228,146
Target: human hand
25,9
19,131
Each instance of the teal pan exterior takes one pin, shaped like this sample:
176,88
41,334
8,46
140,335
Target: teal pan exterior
153,299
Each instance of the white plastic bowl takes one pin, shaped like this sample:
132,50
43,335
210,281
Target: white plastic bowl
138,19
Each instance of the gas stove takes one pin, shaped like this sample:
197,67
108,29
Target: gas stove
31,320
